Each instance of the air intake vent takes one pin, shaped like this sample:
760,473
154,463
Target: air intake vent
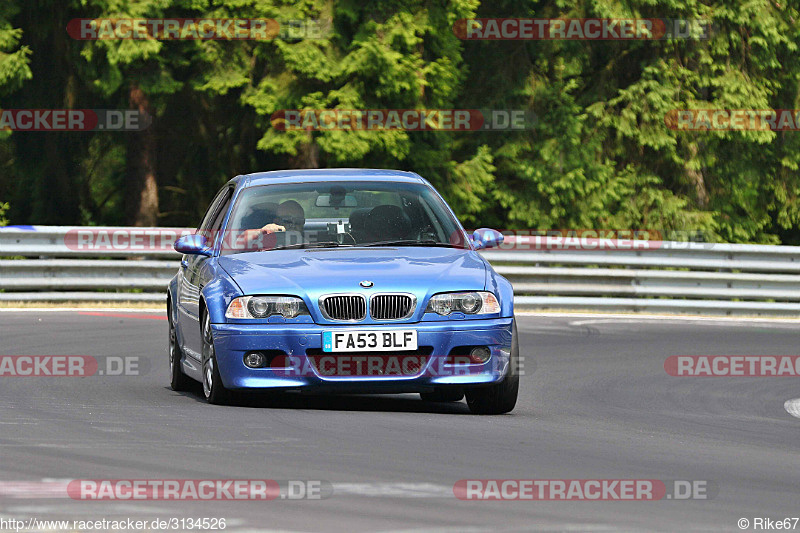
350,308
391,306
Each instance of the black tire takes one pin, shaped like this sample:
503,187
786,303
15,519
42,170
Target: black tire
213,389
178,380
443,395
501,397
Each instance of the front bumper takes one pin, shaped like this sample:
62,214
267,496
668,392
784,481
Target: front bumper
438,339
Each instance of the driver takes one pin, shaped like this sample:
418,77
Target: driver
289,217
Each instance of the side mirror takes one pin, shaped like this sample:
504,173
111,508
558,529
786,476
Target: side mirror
486,238
192,244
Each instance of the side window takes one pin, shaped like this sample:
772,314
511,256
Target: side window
208,218
216,214
221,212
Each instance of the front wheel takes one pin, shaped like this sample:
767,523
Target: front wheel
501,397
213,389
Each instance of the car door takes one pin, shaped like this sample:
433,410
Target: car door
190,282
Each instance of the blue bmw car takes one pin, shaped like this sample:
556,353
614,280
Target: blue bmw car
341,281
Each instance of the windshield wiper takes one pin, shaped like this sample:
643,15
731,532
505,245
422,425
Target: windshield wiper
410,242
303,245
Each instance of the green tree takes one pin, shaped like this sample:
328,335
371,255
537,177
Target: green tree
14,71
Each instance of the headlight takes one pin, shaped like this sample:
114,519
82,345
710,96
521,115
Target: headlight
470,303
266,306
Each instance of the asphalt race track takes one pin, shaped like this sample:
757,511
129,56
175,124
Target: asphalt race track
596,403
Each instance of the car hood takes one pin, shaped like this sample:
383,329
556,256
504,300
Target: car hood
314,272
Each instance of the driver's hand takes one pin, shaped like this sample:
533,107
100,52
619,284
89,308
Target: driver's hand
272,228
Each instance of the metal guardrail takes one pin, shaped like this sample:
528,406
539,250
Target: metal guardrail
677,277
82,241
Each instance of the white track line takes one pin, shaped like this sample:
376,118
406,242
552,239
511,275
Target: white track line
646,316
704,322
394,490
76,309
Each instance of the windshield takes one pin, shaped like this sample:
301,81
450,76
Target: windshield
333,214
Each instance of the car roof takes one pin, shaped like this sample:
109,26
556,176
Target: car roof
329,174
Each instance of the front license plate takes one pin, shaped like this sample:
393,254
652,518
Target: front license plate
369,341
